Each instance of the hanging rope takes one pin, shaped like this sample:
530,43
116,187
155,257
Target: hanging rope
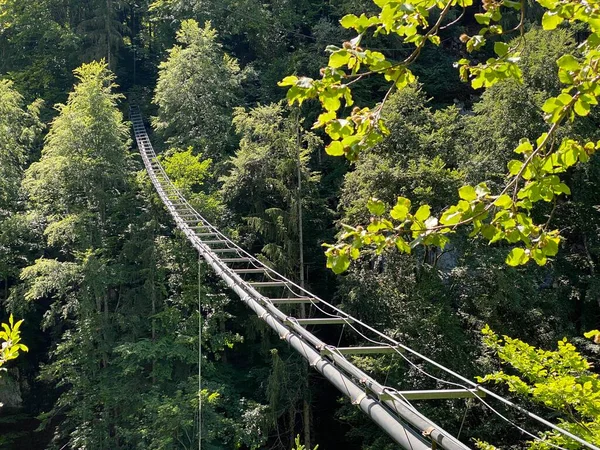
462,423
199,352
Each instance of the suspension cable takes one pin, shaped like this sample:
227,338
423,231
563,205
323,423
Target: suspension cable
199,351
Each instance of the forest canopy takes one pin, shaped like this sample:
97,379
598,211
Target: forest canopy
463,219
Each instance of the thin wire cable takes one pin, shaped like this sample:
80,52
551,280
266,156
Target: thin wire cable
462,423
387,374
522,430
199,351
341,334
405,432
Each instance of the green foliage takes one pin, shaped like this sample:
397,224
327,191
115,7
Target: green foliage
262,186
50,277
83,162
186,170
75,186
115,290
561,380
190,174
39,47
196,89
502,216
11,341
407,162
103,31
123,310
299,446
19,126
19,131
511,111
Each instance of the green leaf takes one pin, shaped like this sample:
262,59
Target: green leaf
435,39
402,77
564,98
288,81
479,80
402,246
338,129
592,334
581,107
589,98
330,99
401,209
489,231
551,20
551,105
475,43
423,213
562,188
541,139
482,190
295,94
524,146
335,148
513,236
504,201
399,212
339,58
514,166
451,216
349,21
517,257
482,19
324,118
467,193
565,77
568,62
404,202
376,207
539,257
551,247
501,48
339,263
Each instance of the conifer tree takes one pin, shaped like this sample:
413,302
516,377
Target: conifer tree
19,128
75,189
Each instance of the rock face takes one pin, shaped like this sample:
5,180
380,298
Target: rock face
10,391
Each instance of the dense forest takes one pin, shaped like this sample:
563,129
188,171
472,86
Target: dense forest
108,290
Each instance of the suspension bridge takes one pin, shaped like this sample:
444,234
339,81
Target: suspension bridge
269,294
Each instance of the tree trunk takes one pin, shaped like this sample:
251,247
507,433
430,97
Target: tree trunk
107,29
105,331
